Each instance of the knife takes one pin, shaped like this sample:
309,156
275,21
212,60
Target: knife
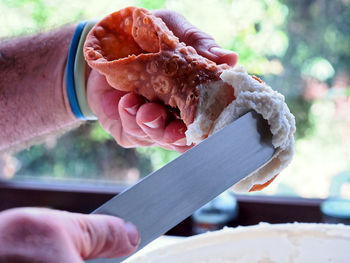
167,196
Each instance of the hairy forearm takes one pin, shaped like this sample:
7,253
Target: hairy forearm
33,98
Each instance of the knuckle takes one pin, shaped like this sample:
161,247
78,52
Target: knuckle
193,36
123,98
117,131
103,240
125,145
124,141
169,15
113,236
190,34
139,140
88,237
23,224
26,235
116,241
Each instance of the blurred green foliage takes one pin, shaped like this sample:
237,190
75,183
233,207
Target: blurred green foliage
152,4
88,152
284,42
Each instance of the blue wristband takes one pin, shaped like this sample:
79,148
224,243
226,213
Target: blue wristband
72,96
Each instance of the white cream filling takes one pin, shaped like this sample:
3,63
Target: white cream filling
251,95
263,243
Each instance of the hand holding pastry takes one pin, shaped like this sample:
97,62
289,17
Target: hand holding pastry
133,119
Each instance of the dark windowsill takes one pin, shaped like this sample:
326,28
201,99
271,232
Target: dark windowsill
85,198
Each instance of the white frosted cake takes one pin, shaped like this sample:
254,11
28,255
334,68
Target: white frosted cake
263,243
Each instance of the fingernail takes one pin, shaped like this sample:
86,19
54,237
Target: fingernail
133,234
218,51
180,142
155,124
132,110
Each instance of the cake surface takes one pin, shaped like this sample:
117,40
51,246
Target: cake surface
263,243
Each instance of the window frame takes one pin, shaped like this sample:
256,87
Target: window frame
253,209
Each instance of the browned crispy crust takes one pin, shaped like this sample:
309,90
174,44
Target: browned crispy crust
259,187
137,52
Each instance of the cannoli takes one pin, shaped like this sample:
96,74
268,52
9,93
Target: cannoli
136,52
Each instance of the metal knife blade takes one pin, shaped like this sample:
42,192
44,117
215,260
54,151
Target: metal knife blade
169,195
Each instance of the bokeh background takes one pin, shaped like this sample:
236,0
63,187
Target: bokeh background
301,48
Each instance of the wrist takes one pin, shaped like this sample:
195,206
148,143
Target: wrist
33,98
64,93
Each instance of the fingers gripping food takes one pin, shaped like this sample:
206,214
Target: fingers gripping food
138,53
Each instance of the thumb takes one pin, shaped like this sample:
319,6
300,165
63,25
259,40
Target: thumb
204,44
103,236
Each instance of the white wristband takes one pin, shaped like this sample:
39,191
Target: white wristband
80,72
